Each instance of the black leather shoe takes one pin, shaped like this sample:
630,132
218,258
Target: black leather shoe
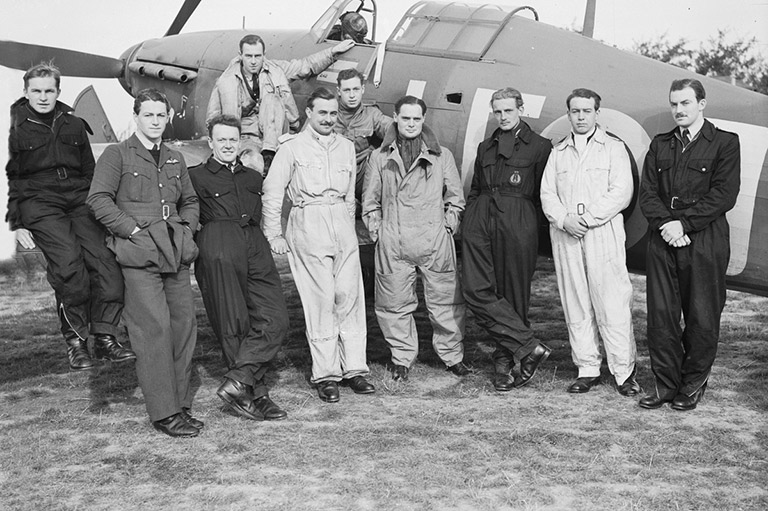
197,423
268,409
683,402
328,391
399,373
630,387
652,402
459,369
359,385
239,397
503,382
77,354
176,426
582,385
530,363
106,347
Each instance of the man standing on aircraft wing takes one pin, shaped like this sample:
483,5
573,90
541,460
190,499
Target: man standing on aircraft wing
691,178
412,201
142,193
500,238
586,185
49,172
256,91
237,276
316,168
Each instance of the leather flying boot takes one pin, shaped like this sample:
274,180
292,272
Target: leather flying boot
106,347
77,353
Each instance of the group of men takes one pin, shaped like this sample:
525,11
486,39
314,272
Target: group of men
119,235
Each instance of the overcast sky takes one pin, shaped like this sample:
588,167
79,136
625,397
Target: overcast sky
110,27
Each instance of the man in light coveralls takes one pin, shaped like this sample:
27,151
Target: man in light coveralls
587,183
316,168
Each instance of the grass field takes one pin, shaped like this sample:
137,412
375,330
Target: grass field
83,441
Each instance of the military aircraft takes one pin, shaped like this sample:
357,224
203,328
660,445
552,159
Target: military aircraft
454,55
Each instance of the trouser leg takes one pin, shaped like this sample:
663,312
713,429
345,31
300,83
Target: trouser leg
161,322
350,303
396,302
664,308
445,304
703,298
574,294
487,289
268,315
271,120
610,291
106,296
311,259
178,292
47,218
250,152
147,317
222,273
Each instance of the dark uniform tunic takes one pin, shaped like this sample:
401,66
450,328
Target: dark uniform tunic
500,238
696,186
131,189
49,173
237,276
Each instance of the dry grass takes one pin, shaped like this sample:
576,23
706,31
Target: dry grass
82,440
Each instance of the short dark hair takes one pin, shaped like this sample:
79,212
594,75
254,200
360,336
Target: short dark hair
252,39
149,95
508,93
411,100
692,83
224,120
43,70
348,74
586,94
319,93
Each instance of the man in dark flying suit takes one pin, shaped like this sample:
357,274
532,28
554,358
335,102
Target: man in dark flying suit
500,238
690,180
237,276
49,173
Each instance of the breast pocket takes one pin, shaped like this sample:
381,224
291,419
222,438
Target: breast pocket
254,199
135,185
698,177
597,180
171,181
517,172
312,177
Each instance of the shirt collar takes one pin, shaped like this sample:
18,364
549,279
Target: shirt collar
148,144
693,129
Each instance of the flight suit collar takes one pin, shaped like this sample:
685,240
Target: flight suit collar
599,136
214,166
427,136
506,145
430,148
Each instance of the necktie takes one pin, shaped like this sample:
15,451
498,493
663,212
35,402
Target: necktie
686,138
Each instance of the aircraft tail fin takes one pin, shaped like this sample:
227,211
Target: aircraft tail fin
88,107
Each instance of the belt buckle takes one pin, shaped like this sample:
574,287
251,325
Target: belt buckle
672,202
166,211
62,172
580,209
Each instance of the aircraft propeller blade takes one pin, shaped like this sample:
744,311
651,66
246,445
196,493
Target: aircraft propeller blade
22,56
181,18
